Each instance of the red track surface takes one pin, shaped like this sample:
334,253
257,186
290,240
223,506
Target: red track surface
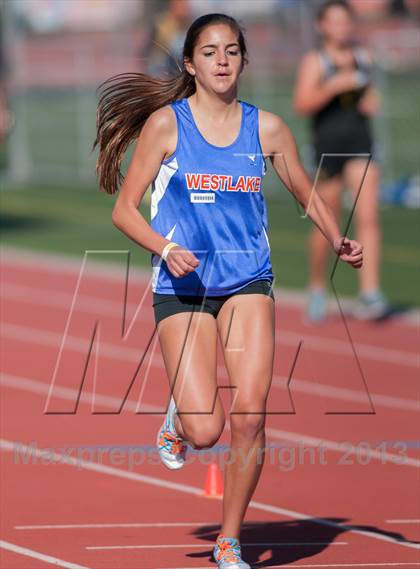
301,508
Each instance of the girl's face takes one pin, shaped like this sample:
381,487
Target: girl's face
336,25
217,59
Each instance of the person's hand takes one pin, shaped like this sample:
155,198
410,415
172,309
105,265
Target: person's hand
370,102
344,81
349,251
180,261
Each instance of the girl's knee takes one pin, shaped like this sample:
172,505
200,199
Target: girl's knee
201,433
247,425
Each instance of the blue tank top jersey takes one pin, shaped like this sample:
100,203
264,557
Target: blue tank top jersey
209,199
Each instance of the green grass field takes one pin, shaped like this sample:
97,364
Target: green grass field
72,220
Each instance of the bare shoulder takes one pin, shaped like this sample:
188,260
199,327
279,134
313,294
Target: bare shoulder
310,69
310,60
274,132
365,53
160,131
270,122
162,121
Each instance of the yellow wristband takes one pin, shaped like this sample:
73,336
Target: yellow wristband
167,248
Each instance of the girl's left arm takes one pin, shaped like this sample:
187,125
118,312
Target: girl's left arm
370,102
279,144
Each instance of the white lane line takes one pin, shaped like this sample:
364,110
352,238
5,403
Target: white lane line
343,348
91,304
391,564
57,263
40,556
65,459
39,387
247,525
345,394
315,565
31,335
353,449
188,545
17,447
402,521
121,525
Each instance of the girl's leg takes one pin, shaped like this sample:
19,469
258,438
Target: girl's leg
246,326
319,248
188,343
367,219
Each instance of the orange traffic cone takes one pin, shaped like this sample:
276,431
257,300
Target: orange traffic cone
213,488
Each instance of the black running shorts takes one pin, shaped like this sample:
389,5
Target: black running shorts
167,304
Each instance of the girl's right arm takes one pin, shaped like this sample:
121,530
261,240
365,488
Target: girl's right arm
157,141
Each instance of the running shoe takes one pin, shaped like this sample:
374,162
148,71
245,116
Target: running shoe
171,446
227,553
372,306
316,309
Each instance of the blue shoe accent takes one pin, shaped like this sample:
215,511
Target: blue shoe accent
372,306
171,446
227,553
317,306
170,416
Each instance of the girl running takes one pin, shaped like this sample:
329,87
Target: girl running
334,88
204,152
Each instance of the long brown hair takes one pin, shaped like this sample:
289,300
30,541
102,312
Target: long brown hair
128,99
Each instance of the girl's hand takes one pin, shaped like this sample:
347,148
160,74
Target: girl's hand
349,251
180,261
344,81
370,103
